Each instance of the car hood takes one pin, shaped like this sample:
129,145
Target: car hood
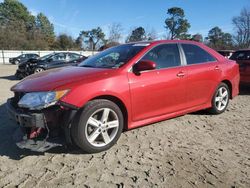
55,78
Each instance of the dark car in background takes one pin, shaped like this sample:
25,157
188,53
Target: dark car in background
49,61
226,53
242,57
22,58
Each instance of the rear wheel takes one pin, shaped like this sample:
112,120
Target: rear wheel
98,126
37,70
220,99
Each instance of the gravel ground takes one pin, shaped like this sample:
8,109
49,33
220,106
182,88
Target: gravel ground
195,150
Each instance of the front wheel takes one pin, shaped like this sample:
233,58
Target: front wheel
220,99
98,126
37,70
19,75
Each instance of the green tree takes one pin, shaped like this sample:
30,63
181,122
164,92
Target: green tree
176,24
12,11
46,28
64,42
151,34
219,40
137,34
21,30
197,37
242,27
93,38
78,43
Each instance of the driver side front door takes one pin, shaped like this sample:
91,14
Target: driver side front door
160,91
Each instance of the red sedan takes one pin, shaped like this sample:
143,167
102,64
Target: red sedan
123,87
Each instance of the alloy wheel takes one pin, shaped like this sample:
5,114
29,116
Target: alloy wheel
37,70
102,127
221,99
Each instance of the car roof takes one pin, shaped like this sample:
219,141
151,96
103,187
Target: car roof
54,53
243,50
165,41
225,50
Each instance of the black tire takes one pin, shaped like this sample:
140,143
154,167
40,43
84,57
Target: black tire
215,109
79,129
38,69
19,76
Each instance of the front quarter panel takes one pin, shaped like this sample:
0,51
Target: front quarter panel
116,86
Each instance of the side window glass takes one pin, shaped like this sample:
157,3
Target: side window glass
195,55
73,57
165,56
241,55
248,55
59,57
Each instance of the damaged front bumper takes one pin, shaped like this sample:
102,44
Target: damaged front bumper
41,130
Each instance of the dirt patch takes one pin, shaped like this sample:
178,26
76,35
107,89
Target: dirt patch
195,150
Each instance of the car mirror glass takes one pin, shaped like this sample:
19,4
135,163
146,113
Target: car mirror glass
144,65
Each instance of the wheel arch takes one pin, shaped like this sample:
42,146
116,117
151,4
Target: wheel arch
230,87
119,103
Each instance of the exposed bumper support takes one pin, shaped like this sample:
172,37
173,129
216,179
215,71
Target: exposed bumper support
25,119
50,120
23,142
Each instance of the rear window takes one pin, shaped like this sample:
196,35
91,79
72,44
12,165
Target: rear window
196,55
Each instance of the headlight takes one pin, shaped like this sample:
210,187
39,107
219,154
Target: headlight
40,100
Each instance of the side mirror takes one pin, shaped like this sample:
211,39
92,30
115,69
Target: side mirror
144,65
50,59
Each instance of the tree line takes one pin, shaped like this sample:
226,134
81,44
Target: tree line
19,29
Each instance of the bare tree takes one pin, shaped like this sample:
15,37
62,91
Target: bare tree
151,34
242,27
93,38
115,33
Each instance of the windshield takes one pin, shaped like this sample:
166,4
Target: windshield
114,57
45,57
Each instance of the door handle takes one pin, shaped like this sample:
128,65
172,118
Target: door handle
217,68
180,74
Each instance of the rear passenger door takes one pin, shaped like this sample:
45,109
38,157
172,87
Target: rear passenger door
203,74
